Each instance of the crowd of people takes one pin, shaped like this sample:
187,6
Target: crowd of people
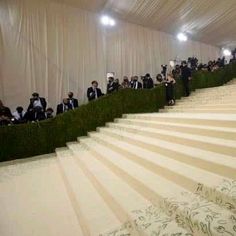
38,110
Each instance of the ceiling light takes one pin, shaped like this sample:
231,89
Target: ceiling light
182,37
227,52
108,21
105,20
112,22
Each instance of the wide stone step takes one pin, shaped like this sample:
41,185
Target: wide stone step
185,175
214,162
225,133
93,211
218,120
203,106
199,110
162,192
125,200
227,147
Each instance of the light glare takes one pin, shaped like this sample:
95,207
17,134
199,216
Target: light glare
182,37
108,21
105,20
227,52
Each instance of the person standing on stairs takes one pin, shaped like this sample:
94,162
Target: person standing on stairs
186,75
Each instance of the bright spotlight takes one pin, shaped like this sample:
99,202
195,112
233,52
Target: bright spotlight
108,21
227,52
112,22
105,20
182,37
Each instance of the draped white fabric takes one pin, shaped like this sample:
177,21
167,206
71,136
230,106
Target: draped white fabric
53,48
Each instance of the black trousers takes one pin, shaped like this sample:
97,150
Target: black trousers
186,87
169,91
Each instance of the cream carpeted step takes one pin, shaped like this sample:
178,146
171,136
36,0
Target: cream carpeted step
225,133
123,199
182,174
219,120
203,106
34,199
199,110
94,213
214,162
173,199
227,147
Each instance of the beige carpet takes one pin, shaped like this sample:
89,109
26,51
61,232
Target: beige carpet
171,173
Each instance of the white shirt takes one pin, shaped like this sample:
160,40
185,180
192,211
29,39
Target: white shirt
17,115
37,103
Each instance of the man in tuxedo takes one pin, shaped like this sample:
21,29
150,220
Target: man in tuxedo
73,102
94,92
111,86
186,77
37,101
65,106
148,82
136,84
36,107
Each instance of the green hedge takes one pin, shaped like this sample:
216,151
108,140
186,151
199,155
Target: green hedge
28,140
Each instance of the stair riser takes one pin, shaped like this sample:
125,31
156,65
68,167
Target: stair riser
179,156
180,180
192,143
147,192
106,190
212,107
216,123
198,111
188,130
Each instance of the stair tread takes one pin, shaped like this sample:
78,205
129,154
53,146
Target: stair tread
158,185
130,200
98,216
191,172
194,152
220,117
218,141
205,127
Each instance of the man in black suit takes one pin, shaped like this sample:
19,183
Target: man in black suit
111,86
94,92
37,101
186,77
37,106
73,102
148,82
136,84
65,106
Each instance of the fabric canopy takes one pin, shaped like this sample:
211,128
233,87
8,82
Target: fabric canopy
52,48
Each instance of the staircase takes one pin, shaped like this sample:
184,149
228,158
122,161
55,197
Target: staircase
171,173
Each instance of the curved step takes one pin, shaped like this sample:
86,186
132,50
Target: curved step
219,120
162,192
227,147
119,193
187,176
94,213
225,133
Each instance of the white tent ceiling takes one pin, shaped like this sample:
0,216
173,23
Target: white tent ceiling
209,21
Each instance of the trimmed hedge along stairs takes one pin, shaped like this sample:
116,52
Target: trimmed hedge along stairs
40,138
